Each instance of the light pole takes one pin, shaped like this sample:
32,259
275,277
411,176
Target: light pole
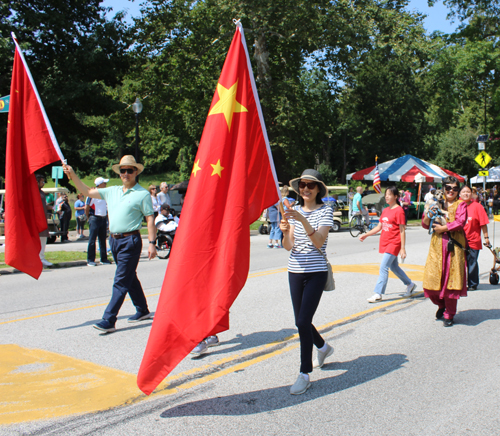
137,108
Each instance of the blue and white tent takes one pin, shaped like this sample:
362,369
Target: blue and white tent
406,169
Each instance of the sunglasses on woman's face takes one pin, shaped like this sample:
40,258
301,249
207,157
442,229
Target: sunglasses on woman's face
127,170
310,185
449,188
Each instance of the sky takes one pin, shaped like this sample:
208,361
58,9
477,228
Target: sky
436,15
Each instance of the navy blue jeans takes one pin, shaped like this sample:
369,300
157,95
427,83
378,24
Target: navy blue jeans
472,268
306,290
97,229
126,252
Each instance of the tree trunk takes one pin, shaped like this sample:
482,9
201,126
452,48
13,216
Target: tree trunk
344,166
261,56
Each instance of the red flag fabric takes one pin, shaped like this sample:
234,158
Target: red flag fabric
232,181
30,145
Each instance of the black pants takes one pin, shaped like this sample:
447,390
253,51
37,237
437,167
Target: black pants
472,268
306,290
97,229
65,226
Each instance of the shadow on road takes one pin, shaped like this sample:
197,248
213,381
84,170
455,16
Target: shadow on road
128,326
252,340
474,317
356,372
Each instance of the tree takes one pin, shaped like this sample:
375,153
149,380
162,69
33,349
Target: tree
76,57
383,105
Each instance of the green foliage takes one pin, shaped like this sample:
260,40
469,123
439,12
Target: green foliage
339,82
457,151
75,57
329,175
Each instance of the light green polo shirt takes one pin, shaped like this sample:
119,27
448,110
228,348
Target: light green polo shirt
126,210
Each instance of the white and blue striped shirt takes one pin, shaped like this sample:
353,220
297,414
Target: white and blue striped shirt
304,257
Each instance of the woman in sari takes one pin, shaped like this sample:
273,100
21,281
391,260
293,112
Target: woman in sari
444,273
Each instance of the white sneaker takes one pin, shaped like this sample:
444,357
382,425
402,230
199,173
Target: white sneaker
46,263
374,298
212,341
322,355
409,289
200,349
300,386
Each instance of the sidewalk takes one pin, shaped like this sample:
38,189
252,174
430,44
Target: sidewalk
74,245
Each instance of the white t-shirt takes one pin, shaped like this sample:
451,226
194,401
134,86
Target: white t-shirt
304,257
98,205
428,196
166,223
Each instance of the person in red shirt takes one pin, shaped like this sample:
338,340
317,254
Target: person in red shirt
392,242
477,220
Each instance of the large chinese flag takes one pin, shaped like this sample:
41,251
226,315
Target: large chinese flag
31,145
232,181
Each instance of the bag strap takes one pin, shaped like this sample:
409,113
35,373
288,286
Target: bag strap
322,254
455,242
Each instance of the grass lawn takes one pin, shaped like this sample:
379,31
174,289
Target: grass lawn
55,257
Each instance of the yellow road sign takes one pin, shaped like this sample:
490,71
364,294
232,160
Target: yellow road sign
484,173
483,159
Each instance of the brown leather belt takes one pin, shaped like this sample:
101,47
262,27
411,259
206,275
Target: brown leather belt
123,235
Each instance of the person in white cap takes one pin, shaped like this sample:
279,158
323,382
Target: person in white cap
97,214
128,205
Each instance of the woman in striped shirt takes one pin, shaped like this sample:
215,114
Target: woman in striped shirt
305,233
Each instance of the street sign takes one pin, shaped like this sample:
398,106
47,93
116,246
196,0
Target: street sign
57,172
483,173
480,145
483,159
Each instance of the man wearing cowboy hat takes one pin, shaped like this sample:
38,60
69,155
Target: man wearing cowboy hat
127,206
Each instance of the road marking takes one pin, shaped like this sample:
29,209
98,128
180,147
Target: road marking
38,384
164,388
414,272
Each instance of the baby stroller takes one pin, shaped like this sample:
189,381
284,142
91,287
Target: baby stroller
496,261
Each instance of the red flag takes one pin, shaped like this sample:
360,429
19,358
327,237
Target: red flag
232,181
31,145
376,178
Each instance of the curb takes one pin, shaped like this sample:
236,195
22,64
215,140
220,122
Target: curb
5,271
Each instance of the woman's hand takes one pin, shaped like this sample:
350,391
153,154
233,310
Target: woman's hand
362,237
292,214
284,226
68,170
402,253
440,229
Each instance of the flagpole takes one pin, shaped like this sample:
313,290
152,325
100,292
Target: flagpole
44,114
239,26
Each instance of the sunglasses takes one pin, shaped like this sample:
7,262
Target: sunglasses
448,188
310,185
127,170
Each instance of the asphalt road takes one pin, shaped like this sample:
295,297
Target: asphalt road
395,370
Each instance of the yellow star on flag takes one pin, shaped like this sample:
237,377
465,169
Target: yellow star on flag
227,103
196,167
217,169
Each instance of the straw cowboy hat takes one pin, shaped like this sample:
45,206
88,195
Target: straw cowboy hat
128,161
309,174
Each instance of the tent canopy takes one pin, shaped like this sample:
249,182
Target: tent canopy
494,176
406,169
